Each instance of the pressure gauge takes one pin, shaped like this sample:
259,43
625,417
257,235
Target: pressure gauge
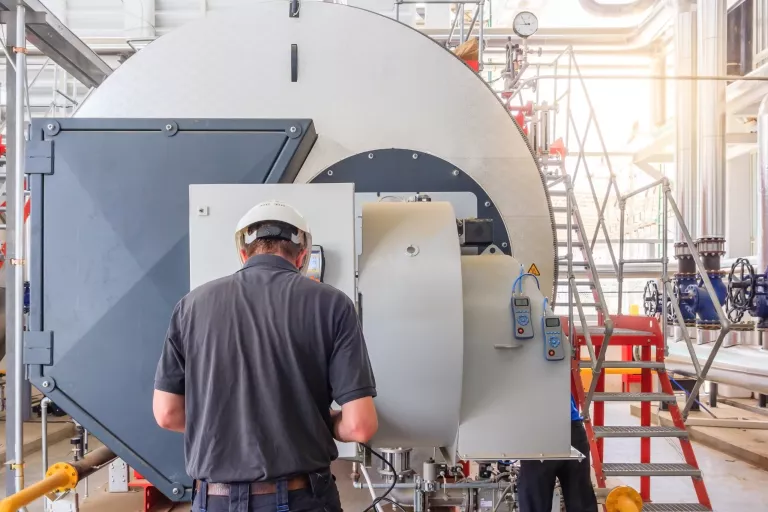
525,24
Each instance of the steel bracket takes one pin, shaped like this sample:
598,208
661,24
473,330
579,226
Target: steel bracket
38,347
39,157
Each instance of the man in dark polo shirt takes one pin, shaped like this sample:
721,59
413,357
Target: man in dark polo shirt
250,366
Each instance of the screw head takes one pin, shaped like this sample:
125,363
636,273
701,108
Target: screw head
487,204
292,129
330,172
370,156
176,490
169,127
455,172
46,384
415,156
504,244
50,126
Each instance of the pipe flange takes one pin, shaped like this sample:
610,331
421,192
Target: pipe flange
690,323
711,246
743,326
682,250
683,275
706,325
67,469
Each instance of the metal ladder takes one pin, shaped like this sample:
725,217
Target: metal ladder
578,278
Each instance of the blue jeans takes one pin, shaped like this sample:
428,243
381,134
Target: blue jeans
321,496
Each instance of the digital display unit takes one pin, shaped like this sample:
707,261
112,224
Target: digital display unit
316,266
552,322
521,302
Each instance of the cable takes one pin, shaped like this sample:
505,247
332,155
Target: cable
545,305
394,478
520,280
394,503
688,394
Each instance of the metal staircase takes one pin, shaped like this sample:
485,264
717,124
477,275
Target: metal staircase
581,300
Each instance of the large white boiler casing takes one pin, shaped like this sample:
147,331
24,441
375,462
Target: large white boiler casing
365,80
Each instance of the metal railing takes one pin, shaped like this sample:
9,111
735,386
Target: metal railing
668,299
600,201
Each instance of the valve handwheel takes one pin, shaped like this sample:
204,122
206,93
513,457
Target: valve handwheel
670,308
741,288
651,299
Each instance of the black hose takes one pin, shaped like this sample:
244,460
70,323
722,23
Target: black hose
394,480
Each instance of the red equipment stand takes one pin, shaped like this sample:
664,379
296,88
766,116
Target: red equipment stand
645,332
154,500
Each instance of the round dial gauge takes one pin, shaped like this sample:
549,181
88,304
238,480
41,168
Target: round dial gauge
525,24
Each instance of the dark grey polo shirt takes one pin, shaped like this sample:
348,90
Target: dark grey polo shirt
259,356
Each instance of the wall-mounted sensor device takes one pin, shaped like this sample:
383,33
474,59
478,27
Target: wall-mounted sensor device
316,267
553,338
521,314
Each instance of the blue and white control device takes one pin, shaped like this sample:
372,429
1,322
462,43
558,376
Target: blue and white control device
553,338
521,314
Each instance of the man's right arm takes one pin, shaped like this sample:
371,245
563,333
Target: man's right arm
352,383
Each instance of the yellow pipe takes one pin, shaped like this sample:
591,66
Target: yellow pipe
59,477
623,499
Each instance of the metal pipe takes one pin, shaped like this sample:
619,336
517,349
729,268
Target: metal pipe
367,477
61,476
744,366
622,215
44,427
453,27
15,220
762,186
712,40
461,23
617,10
481,38
664,269
685,117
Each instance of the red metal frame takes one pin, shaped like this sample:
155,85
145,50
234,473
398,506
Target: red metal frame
653,340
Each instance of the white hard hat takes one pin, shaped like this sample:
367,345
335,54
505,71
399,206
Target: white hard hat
273,211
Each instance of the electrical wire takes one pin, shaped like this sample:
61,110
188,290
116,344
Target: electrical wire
394,478
520,280
394,503
688,394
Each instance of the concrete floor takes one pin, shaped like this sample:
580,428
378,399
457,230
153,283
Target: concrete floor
733,486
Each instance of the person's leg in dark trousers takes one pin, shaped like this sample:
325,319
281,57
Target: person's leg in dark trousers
536,485
575,477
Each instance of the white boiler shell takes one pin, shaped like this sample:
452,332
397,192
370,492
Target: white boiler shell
367,82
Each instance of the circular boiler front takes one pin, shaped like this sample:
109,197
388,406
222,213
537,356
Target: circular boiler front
368,83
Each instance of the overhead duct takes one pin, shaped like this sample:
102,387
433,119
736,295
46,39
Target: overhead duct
762,186
711,110
617,10
685,118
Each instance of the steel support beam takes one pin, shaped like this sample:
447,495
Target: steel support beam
54,39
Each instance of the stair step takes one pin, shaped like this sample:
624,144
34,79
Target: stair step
625,364
577,245
599,330
633,397
637,431
674,507
558,193
584,264
577,283
653,469
560,209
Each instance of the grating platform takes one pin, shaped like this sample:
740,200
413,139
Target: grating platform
633,397
637,431
674,507
634,469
